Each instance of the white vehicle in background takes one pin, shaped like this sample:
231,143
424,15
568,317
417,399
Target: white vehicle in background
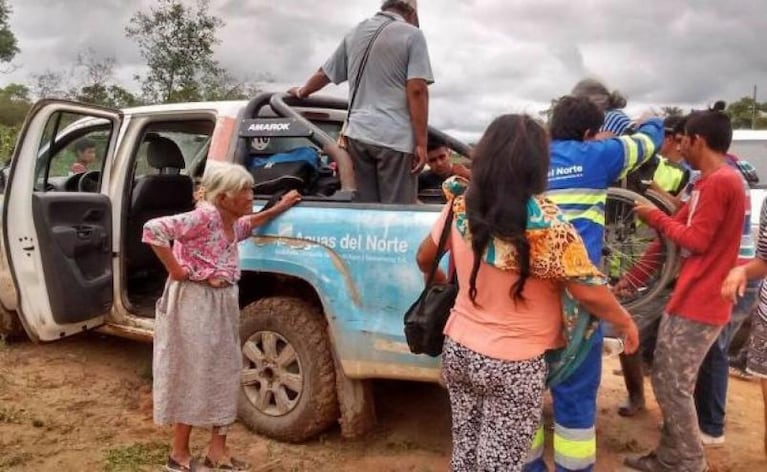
751,145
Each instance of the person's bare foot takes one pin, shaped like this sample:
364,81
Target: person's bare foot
178,464
631,408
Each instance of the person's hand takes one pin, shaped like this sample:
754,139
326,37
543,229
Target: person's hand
654,186
419,159
288,200
178,273
461,171
296,92
624,288
734,285
643,210
216,282
630,335
646,116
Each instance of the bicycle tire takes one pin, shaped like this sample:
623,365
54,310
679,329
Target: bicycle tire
626,239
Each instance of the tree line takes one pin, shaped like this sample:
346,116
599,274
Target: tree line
177,42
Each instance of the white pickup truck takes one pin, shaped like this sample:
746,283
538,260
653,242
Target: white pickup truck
324,286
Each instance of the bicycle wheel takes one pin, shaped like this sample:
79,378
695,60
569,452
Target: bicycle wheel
635,252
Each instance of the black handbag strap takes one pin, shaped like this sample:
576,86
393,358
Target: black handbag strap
441,246
365,57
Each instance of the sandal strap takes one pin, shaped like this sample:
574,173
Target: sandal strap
174,465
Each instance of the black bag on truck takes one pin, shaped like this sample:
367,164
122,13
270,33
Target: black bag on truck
293,170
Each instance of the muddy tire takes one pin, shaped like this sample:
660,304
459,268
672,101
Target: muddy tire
288,385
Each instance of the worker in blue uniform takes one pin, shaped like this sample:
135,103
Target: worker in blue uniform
582,168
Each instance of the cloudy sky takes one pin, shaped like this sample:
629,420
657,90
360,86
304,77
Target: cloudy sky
488,56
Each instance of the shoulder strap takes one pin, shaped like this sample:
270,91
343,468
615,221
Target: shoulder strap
441,245
365,56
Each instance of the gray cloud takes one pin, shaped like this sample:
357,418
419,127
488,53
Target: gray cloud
489,56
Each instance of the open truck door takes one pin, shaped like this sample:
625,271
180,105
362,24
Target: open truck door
57,218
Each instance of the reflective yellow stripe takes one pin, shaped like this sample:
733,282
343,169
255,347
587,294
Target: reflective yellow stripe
538,438
632,154
536,448
583,449
596,216
577,198
649,146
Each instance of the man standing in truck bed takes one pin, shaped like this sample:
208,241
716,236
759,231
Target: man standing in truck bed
386,61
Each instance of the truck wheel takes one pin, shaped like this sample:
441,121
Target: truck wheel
288,378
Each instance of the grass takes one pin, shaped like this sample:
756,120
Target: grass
10,415
14,460
135,457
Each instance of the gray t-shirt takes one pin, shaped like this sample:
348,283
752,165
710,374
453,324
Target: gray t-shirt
380,115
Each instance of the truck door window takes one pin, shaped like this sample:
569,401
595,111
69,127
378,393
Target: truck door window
191,145
73,147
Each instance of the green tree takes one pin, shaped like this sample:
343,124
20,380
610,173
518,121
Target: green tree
741,113
112,95
8,44
177,43
14,105
672,111
49,84
95,77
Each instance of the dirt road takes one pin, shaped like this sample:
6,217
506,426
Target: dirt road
84,404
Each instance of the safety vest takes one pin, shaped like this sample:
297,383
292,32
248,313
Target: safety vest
670,176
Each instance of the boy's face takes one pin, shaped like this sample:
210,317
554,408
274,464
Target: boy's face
671,147
691,148
86,156
439,161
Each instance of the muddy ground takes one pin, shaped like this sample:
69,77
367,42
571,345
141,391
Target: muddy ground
84,404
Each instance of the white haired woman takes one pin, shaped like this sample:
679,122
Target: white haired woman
197,360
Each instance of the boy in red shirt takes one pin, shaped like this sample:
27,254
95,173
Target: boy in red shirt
708,230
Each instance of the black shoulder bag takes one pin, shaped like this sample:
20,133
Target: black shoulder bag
360,71
426,318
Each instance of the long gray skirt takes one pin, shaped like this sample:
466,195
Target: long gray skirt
197,359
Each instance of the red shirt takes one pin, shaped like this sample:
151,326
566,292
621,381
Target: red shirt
708,229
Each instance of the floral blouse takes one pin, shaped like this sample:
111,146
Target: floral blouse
199,242
557,253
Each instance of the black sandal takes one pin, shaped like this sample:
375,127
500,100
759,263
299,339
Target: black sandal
174,466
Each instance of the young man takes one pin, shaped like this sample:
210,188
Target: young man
440,166
708,229
671,173
713,376
670,178
387,123
581,170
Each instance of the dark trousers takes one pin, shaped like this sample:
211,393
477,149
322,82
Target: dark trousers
382,174
711,388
